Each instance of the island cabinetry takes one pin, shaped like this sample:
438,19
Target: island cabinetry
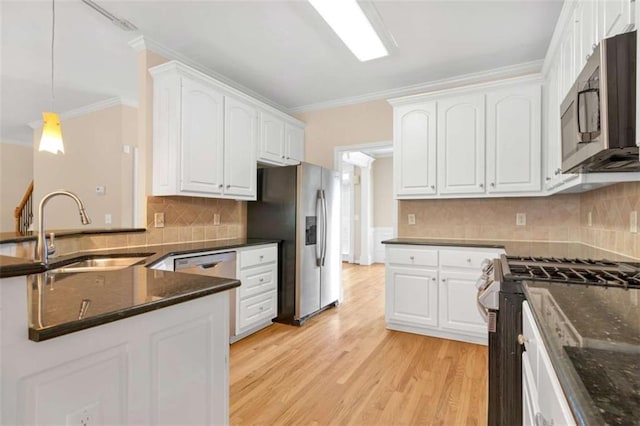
168,366
431,290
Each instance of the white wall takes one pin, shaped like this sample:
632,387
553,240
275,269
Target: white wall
16,172
93,156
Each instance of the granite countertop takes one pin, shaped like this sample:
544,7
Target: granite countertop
595,350
62,303
521,248
16,237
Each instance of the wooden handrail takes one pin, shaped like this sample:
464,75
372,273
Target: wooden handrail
19,211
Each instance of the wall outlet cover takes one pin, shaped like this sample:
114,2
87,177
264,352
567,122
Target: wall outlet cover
107,219
101,190
521,219
216,219
633,221
411,219
589,219
158,220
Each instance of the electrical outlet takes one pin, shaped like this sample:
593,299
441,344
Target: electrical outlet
633,221
216,219
107,219
87,416
589,219
411,219
101,190
158,220
521,219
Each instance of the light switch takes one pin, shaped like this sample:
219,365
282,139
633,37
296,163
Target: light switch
158,220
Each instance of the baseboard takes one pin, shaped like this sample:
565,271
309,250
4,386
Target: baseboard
433,332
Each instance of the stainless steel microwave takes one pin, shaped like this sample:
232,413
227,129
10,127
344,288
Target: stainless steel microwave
598,115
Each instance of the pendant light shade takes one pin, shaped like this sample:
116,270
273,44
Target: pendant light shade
51,140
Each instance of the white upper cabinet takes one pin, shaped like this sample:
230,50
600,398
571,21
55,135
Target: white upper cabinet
483,134
240,141
586,31
513,140
202,138
615,17
281,143
461,145
414,145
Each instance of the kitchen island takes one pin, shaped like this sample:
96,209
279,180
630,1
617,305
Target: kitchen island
128,346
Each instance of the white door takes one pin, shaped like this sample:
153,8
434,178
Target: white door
240,139
414,144
615,17
201,138
412,296
513,140
461,145
458,306
293,144
271,138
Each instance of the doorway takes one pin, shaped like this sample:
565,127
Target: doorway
368,210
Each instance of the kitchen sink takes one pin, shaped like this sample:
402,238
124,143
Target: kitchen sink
98,264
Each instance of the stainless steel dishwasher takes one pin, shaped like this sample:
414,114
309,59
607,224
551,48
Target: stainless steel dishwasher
215,265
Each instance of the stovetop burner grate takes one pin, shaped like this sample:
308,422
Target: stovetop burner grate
574,271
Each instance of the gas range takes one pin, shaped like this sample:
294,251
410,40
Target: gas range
572,271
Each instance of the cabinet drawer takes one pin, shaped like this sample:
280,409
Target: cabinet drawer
466,259
412,256
258,256
256,310
257,280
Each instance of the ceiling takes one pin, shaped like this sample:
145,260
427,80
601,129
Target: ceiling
282,50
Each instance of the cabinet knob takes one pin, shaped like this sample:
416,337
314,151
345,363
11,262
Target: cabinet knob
469,260
481,185
283,157
522,340
548,178
433,187
261,257
433,278
261,280
228,186
444,280
493,184
411,258
220,186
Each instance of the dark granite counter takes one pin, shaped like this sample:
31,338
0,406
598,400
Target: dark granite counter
11,266
592,335
62,303
16,237
521,248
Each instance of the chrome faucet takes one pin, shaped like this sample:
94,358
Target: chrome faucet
42,249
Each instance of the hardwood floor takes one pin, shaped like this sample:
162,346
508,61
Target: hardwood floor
344,367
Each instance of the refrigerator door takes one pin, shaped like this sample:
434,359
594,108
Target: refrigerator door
308,236
330,274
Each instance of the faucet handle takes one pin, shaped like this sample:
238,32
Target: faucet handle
51,247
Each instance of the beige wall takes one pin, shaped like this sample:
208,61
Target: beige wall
93,156
349,125
16,172
383,202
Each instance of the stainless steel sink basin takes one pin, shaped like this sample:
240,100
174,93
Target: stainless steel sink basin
98,264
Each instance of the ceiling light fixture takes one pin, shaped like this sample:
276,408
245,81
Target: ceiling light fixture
51,139
117,21
348,20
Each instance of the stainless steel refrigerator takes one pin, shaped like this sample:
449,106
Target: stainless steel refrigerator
300,205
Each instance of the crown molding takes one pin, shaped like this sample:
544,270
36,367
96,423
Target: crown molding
145,43
525,68
97,106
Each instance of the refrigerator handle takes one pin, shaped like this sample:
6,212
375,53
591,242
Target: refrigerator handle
318,235
324,227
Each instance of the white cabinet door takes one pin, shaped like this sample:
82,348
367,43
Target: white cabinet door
514,148
552,129
586,31
414,144
201,138
615,17
458,309
412,296
293,144
461,145
271,138
567,61
240,149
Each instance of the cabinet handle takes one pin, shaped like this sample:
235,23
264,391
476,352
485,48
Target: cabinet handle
522,340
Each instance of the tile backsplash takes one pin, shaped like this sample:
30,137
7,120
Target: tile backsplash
554,218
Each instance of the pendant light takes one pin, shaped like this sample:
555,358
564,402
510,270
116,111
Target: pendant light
51,139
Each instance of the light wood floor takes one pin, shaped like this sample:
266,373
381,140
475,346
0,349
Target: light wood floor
344,367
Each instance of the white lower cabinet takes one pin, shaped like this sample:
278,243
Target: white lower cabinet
543,399
256,300
431,290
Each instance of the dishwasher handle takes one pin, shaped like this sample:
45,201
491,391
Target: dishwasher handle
209,265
